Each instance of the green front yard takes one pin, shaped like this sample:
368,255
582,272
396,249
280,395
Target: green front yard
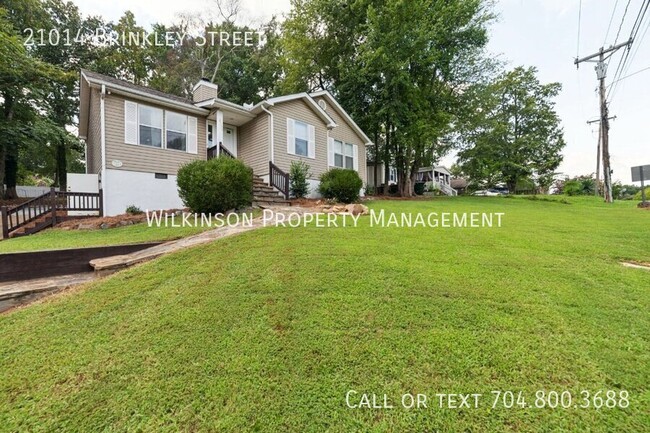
267,331
138,233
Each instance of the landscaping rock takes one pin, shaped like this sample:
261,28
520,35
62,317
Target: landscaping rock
357,209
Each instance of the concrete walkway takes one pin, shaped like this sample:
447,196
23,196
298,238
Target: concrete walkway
18,293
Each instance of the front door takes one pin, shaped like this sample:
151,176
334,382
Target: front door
230,139
212,134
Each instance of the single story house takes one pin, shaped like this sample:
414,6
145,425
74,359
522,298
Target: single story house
137,138
436,176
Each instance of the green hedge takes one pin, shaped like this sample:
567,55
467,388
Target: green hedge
216,185
343,185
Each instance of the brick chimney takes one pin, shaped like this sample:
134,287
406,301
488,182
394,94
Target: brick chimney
203,90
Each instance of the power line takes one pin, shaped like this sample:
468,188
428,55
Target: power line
630,75
612,92
579,22
624,58
622,21
611,19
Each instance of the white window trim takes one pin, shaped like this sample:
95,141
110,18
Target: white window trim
162,127
186,132
344,154
191,130
291,139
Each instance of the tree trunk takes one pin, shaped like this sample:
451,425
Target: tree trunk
8,113
387,159
376,161
61,165
3,152
11,174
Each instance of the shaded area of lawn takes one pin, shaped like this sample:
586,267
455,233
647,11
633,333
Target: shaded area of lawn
267,331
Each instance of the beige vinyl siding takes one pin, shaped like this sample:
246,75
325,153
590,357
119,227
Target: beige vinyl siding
298,110
144,158
94,139
253,144
344,132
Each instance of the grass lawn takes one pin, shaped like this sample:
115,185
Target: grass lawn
137,233
267,331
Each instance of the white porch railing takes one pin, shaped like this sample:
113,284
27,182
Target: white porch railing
445,188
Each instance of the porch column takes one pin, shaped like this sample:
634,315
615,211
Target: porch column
219,130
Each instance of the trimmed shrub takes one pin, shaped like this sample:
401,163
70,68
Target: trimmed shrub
393,189
133,210
216,185
340,184
298,175
418,188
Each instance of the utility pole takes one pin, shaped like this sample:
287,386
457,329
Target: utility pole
598,153
601,73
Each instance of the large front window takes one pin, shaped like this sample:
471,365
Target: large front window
301,133
176,131
150,122
343,155
349,156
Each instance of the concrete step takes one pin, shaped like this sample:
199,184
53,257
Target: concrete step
265,191
269,196
263,203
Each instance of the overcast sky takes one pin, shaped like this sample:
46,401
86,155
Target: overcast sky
540,33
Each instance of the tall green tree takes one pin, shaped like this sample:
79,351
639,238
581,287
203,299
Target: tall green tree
24,82
395,65
514,132
62,100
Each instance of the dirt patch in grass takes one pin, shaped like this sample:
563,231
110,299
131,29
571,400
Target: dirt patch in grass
319,202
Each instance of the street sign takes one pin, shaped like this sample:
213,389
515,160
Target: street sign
641,173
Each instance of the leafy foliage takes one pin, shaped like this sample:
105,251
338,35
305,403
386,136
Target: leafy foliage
514,131
340,184
298,175
216,185
580,185
398,66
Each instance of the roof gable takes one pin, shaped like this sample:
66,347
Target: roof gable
346,117
310,103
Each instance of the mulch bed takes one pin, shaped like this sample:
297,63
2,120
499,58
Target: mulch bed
11,203
94,223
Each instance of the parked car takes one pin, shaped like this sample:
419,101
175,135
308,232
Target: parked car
487,193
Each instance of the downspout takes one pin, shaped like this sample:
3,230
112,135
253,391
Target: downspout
102,171
270,131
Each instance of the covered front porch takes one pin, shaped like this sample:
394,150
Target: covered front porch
222,128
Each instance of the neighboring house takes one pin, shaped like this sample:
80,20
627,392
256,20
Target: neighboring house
381,174
137,138
436,176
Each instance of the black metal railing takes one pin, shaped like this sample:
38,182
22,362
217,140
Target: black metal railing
279,179
219,150
46,206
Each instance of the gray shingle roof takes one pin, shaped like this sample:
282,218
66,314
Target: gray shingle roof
110,80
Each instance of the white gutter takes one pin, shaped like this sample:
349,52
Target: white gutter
270,130
102,120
